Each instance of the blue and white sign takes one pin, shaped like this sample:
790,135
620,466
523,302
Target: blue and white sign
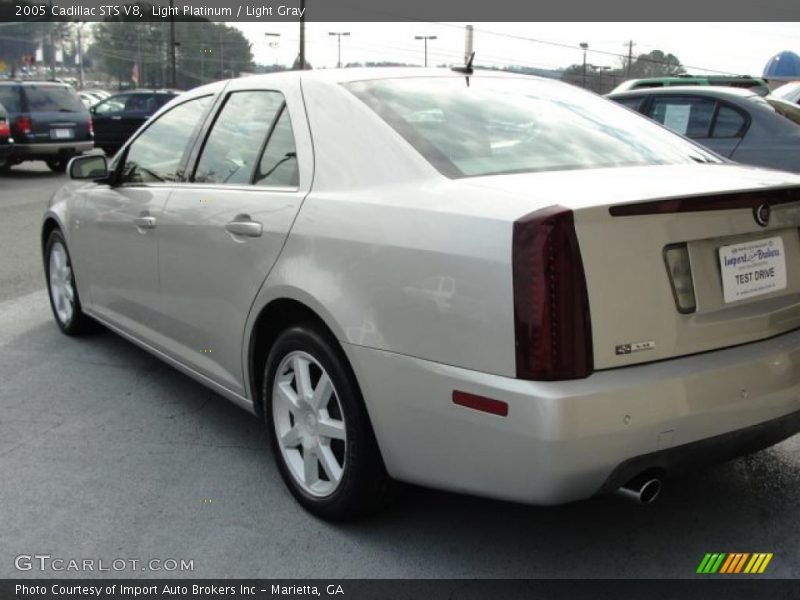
752,269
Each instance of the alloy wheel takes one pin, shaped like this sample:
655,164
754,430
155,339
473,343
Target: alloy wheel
309,424
62,285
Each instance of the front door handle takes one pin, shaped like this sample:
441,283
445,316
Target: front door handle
243,225
145,222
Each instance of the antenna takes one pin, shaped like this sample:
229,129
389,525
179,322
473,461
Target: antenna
466,69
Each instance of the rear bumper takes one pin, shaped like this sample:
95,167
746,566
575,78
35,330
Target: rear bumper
50,150
564,441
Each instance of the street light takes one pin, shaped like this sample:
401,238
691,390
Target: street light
425,38
274,44
339,35
585,47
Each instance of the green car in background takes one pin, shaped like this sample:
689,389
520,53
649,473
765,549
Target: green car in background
754,84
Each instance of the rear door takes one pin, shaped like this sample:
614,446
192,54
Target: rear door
223,232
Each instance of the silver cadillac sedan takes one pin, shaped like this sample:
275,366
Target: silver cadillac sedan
493,284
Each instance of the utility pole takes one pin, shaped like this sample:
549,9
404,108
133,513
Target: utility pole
80,56
221,51
630,58
585,47
425,38
339,35
302,57
469,38
173,70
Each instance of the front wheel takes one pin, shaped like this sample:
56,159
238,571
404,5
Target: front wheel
319,429
61,286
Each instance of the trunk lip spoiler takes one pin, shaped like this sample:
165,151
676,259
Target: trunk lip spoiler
714,201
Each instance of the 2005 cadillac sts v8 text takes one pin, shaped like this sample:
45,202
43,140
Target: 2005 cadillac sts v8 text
487,283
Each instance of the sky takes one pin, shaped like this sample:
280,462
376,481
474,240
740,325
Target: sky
734,48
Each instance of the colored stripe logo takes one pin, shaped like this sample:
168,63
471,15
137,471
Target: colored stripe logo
734,563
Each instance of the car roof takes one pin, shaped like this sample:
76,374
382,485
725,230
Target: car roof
706,90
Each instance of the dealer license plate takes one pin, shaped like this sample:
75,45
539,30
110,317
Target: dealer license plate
752,269
62,134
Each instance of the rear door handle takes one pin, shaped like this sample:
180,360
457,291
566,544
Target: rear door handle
243,225
145,222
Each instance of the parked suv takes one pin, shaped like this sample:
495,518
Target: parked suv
48,122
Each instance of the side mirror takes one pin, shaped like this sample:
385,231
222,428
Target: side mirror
93,109
92,166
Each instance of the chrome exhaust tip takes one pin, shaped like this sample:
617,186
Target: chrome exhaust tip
641,489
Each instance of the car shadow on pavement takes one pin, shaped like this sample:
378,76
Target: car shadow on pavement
137,403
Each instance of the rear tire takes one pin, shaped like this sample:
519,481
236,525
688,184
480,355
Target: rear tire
61,287
57,165
319,430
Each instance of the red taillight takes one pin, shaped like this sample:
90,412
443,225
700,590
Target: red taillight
551,306
5,130
91,127
23,125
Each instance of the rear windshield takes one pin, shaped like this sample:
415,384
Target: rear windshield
9,98
487,126
52,98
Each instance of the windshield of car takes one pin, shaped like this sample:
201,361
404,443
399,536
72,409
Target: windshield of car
9,98
52,98
485,126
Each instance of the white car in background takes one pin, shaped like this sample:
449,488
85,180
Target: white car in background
493,284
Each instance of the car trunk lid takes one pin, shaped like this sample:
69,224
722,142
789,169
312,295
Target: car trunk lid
625,221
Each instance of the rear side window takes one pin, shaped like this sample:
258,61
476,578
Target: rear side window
51,98
729,123
237,136
688,116
9,98
278,165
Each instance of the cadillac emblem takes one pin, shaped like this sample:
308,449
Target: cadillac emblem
761,214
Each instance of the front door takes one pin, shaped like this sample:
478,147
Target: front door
120,223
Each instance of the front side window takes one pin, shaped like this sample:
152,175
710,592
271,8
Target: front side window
489,125
158,153
232,148
688,116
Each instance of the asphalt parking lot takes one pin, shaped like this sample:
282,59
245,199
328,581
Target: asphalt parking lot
106,453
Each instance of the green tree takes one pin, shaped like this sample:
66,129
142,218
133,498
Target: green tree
205,51
656,64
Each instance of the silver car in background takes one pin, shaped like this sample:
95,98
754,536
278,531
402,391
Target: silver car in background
493,284
738,124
